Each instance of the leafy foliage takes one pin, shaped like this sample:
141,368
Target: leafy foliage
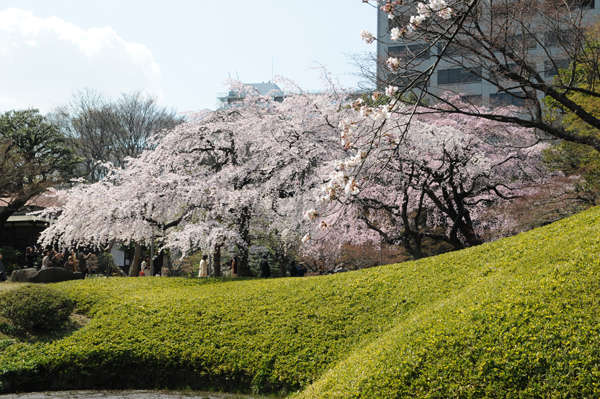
10,258
512,318
104,261
33,157
575,159
36,307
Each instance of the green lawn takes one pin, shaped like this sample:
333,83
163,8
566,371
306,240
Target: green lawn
513,318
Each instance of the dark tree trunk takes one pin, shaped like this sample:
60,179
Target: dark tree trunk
281,260
418,248
134,270
282,267
217,261
244,232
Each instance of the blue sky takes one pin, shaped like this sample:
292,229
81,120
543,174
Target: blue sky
180,50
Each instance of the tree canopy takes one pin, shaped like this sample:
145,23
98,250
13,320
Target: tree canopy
204,183
34,156
105,130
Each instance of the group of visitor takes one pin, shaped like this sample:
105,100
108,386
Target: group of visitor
74,262
31,254
298,270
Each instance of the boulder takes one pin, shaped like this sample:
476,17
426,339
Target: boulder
23,275
50,275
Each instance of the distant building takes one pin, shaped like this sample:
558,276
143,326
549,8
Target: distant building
22,230
449,75
227,98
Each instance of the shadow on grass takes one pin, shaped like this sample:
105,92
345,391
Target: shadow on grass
10,334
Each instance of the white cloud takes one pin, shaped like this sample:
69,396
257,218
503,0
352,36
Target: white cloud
43,61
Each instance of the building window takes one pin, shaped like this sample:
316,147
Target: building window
568,36
414,50
502,72
458,75
552,39
551,68
573,4
413,78
506,99
461,48
521,41
501,12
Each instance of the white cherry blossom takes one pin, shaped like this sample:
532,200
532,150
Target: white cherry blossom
393,64
367,36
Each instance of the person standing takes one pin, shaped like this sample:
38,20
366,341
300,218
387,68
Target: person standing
265,270
65,257
203,272
30,256
72,262
234,267
293,269
82,264
3,276
145,267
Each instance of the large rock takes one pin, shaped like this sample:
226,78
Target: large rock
23,275
50,275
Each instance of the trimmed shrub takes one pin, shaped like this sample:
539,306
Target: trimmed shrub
516,318
36,307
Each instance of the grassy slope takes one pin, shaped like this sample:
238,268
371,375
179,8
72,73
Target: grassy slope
518,317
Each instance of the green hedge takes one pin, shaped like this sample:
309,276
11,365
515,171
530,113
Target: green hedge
514,318
36,307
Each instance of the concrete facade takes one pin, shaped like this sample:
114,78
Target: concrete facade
448,77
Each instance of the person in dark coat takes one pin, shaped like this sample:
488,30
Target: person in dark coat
30,256
57,260
293,269
3,276
83,263
265,270
65,257
301,270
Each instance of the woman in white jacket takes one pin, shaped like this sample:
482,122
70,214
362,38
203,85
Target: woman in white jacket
203,272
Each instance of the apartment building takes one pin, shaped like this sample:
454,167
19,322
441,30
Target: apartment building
471,78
